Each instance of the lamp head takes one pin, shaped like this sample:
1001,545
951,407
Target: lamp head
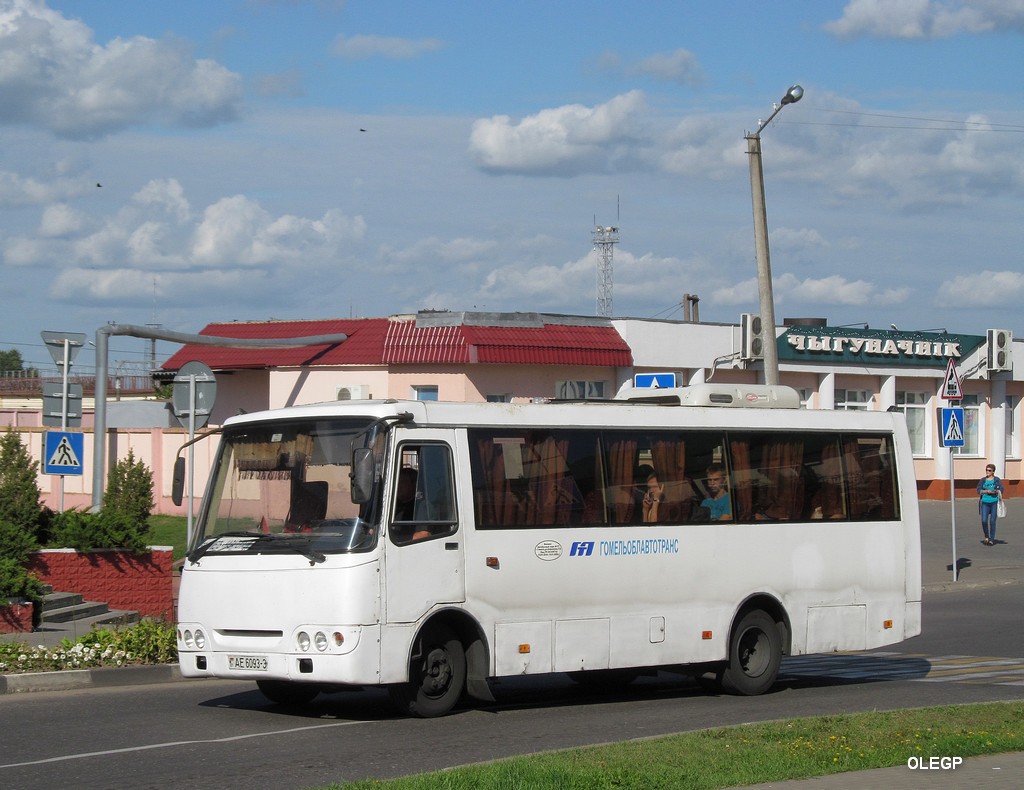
793,95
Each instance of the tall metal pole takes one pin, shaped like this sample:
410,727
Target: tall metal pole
764,267
64,406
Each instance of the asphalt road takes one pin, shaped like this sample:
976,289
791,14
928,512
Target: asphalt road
225,735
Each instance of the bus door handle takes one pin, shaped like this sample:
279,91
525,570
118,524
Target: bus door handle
451,546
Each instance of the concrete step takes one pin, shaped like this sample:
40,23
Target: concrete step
52,634
60,600
79,611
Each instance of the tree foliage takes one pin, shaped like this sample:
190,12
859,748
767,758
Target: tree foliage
10,360
20,507
130,492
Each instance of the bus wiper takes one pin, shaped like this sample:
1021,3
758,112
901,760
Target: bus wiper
306,550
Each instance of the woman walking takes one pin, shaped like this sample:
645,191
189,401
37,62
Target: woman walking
990,489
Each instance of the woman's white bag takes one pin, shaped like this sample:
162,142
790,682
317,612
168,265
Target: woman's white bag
1001,508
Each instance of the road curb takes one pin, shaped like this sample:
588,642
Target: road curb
101,677
953,586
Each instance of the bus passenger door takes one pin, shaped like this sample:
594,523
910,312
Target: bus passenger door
424,563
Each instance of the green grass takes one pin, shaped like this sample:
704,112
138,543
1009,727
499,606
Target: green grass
750,754
168,531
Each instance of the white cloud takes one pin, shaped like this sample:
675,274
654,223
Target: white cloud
431,251
809,292
237,230
680,66
59,220
18,190
54,75
982,289
802,241
914,19
131,286
20,251
392,48
836,290
561,141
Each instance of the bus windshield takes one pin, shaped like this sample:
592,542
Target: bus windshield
284,487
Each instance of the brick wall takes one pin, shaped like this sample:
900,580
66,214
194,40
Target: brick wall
15,618
139,582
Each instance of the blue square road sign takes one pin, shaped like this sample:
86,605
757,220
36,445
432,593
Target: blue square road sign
63,453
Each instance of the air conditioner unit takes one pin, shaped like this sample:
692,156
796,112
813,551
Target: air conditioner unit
1000,349
354,392
751,336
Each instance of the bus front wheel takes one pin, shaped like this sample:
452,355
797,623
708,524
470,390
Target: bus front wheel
437,675
755,653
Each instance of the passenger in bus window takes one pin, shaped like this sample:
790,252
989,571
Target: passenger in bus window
653,498
405,508
717,501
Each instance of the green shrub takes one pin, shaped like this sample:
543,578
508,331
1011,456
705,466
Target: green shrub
19,486
130,492
17,542
85,531
16,582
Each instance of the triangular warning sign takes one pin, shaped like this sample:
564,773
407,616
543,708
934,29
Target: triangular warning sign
951,389
954,433
64,455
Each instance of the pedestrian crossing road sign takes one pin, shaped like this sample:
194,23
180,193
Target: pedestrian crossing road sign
952,427
654,380
63,453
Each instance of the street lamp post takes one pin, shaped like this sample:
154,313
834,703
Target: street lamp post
764,266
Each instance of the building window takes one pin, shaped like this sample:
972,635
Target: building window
504,398
852,400
579,390
914,406
424,392
972,419
806,393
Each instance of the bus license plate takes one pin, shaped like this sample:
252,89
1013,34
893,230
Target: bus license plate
248,663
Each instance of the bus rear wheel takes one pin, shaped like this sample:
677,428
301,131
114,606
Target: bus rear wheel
285,693
437,675
755,653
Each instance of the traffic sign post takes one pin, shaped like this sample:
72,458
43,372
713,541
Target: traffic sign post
952,435
195,390
63,348
951,389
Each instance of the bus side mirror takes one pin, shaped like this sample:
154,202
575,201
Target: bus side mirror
178,481
362,475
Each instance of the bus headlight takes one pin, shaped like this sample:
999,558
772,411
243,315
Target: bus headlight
302,639
200,639
188,639
320,640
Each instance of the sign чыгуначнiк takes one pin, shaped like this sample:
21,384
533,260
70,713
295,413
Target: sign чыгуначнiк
873,346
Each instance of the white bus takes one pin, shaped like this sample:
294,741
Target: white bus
429,546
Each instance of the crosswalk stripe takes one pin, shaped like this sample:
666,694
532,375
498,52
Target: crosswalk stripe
887,665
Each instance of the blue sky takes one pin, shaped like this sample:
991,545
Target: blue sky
237,183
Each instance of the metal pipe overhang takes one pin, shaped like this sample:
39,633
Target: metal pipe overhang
102,345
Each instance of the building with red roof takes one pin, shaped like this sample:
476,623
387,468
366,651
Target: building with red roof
431,355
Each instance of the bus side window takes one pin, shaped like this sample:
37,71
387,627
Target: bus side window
424,504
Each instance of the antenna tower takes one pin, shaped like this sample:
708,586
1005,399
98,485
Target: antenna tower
605,239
